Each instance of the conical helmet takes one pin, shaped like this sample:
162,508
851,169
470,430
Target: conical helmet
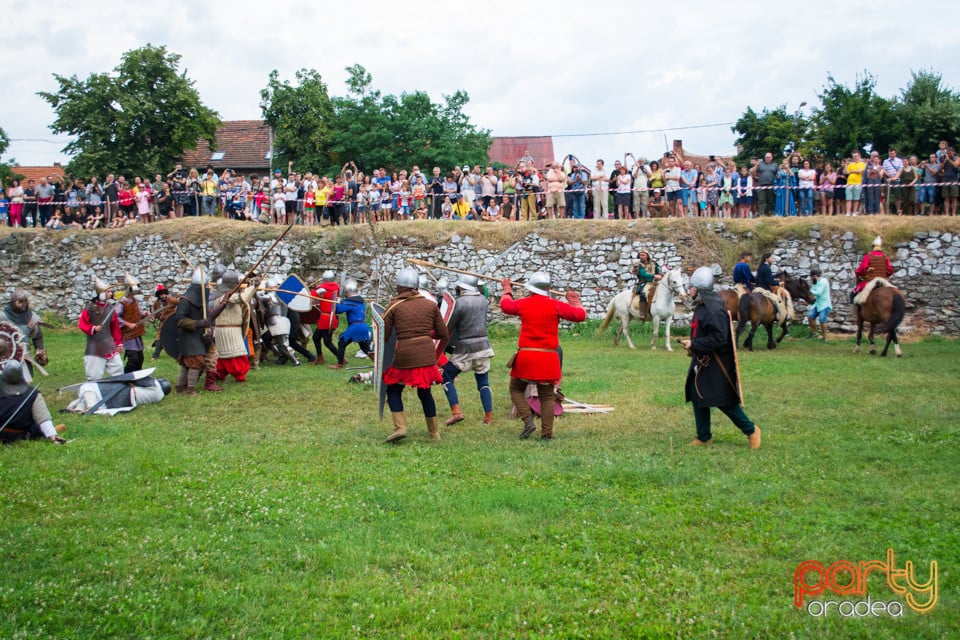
100,285
878,242
467,283
538,283
408,277
350,288
328,276
131,283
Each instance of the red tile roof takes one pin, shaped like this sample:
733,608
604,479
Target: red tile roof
509,150
35,173
244,143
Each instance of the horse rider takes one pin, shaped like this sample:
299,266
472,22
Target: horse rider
648,276
875,264
743,279
769,286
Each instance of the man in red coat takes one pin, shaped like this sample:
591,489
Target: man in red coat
875,264
537,360
327,322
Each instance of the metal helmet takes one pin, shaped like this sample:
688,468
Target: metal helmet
217,270
199,277
350,287
165,385
12,381
275,281
423,281
408,277
100,286
20,295
131,283
538,283
467,283
230,278
443,285
328,276
878,242
702,279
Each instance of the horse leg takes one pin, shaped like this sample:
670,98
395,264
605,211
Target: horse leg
886,345
896,343
749,342
616,334
656,332
771,343
782,333
873,343
856,349
625,324
669,322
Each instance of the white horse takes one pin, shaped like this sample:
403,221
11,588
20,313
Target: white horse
661,308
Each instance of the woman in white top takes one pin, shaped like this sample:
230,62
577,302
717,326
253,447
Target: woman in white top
807,180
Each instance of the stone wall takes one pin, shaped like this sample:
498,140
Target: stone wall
59,274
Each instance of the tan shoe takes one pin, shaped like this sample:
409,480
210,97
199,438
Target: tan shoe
455,416
488,417
697,442
433,428
754,438
399,427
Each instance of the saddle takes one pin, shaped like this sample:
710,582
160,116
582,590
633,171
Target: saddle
740,289
784,310
861,298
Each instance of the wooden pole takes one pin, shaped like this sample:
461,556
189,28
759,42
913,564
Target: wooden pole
430,265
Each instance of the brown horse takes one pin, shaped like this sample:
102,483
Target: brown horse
884,310
758,310
798,288
731,302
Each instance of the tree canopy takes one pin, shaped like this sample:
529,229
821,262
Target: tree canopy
856,117
322,133
138,119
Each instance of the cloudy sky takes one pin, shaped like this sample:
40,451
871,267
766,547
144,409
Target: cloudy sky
575,70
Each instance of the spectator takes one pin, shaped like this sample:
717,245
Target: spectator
854,170
828,179
892,168
744,194
671,177
806,182
623,195
688,184
950,173
872,181
556,184
577,183
764,176
909,177
928,190
600,192
15,193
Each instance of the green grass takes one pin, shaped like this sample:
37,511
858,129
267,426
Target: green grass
276,511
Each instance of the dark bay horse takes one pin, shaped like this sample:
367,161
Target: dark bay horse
798,288
884,310
756,309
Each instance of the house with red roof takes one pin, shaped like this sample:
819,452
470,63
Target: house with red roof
242,145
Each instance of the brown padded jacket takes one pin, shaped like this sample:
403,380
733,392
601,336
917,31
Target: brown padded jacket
417,322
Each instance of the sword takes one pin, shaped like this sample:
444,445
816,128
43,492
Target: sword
22,404
493,262
736,358
430,265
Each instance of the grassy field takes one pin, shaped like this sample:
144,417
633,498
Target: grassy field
276,511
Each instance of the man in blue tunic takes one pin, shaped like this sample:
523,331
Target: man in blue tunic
357,328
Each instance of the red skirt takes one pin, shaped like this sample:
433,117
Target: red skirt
236,367
419,377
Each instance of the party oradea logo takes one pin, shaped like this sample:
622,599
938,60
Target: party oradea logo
844,578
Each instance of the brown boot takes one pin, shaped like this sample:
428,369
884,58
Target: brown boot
529,426
697,442
210,382
319,360
399,427
181,388
488,417
191,391
754,438
455,415
433,428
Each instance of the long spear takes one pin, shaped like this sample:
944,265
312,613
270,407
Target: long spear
430,265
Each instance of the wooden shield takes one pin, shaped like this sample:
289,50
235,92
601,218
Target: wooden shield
295,294
383,348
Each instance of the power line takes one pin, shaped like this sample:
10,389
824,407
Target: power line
36,140
620,133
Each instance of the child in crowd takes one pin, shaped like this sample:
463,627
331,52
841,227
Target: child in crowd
421,211
95,219
419,192
279,202
309,206
506,208
55,221
492,213
446,209
404,212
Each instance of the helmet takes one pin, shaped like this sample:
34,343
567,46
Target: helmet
131,283
350,287
423,281
814,272
328,276
216,271
702,278
878,242
20,295
165,385
12,381
443,285
199,277
408,277
538,283
100,286
467,283
230,278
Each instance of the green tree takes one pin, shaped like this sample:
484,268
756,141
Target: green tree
367,127
777,132
301,118
853,118
6,171
928,112
139,119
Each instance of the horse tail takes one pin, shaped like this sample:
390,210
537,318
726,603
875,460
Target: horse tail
743,310
896,315
611,310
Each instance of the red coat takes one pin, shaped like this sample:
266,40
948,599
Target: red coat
86,325
873,265
539,325
328,319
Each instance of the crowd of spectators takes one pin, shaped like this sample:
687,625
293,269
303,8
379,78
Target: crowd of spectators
633,188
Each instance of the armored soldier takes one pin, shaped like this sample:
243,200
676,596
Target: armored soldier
191,337
23,411
357,329
329,293
230,330
469,348
278,324
99,322
875,264
417,321
111,396
131,324
27,328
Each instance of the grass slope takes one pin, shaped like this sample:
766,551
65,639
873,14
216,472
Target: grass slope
276,511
